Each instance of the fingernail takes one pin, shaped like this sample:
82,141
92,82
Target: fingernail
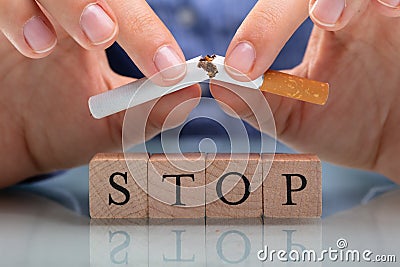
97,25
241,60
169,64
327,12
38,36
390,3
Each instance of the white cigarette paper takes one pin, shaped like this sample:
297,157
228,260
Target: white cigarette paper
143,90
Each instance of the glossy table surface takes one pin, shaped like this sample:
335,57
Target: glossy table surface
47,224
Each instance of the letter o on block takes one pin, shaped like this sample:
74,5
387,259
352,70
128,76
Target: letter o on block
234,186
246,192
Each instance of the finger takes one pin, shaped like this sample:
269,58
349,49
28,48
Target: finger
280,117
91,23
27,28
333,15
165,115
390,8
262,35
248,104
147,120
148,42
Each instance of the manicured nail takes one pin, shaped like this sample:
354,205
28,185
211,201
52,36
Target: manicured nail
97,25
241,60
169,64
390,3
327,12
38,36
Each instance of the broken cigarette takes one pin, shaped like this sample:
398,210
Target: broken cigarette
206,64
280,83
200,69
287,85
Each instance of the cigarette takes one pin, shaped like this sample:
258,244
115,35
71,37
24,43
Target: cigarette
299,88
144,90
200,69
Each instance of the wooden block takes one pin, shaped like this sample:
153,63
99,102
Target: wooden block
234,186
182,186
113,191
176,186
293,186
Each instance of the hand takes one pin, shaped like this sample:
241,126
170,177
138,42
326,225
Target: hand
45,122
353,47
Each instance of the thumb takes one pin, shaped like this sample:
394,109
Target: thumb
140,123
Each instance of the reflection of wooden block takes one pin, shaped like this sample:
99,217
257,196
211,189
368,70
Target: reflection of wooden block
233,243
177,242
295,234
119,243
231,179
176,186
292,187
113,192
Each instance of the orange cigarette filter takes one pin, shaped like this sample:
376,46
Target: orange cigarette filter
295,87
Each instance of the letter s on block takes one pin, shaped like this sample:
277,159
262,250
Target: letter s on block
120,188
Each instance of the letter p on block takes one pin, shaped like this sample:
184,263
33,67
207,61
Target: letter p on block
293,186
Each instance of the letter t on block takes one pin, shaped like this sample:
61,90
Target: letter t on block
176,185
113,191
293,186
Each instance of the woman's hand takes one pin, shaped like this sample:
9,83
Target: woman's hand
34,27
45,123
354,47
